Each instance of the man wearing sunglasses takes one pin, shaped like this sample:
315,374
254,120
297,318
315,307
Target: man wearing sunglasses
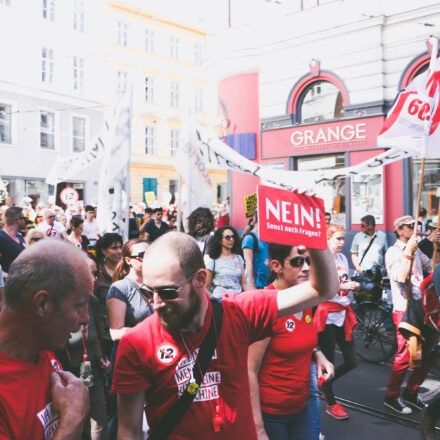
398,260
156,359
51,227
157,227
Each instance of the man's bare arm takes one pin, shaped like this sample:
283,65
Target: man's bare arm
130,410
322,285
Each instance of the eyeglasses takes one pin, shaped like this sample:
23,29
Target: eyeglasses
229,237
22,218
298,261
411,225
37,239
139,256
166,293
50,216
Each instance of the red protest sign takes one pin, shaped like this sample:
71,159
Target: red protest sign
289,218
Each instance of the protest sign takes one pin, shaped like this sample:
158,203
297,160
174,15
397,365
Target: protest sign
150,197
250,203
290,218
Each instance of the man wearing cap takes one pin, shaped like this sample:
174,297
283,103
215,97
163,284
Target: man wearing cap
398,261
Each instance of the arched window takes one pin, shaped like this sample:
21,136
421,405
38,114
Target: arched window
320,101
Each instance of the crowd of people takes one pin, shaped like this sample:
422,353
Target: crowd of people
75,304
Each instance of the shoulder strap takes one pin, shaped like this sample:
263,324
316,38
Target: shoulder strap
176,413
252,234
368,248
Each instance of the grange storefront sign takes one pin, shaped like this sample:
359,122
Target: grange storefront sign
319,138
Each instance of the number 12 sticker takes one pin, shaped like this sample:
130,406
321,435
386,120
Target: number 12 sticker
167,353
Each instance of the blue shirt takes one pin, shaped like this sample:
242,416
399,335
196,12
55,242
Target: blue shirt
260,260
436,279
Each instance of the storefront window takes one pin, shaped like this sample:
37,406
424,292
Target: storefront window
333,193
367,196
19,189
431,181
322,101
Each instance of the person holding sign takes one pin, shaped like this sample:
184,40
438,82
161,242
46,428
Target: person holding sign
225,265
279,366
335,321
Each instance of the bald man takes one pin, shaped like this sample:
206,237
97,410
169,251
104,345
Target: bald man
156,358
45,300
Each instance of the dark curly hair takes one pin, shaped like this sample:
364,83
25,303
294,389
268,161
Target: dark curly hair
200,222
215,245
105,242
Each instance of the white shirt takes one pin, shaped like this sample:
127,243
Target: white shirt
338,318
394,260
53,231
90,229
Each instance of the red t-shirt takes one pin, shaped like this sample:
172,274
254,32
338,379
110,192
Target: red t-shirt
26,408
149,358
284,376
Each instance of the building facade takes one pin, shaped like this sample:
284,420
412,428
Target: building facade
315,87
50,101
162,61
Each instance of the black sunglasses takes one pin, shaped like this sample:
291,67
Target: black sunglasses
299,261
37,239
166,293
229,237
139,256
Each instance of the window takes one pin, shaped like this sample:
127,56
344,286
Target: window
150,138
47,130
198,54
121,86
321,101
174,47
5,124
149,40
49,10
78,15
79,134
198,104
431,181
122,33
333,193
367,196
47,65
78,73
149,89
174,141
174,94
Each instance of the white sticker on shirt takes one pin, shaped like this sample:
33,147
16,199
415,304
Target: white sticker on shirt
166,354
56,366
208,388
50,419
290,325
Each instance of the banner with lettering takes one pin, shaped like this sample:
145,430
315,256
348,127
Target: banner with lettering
413,121
289,218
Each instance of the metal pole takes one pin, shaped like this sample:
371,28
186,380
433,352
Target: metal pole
179,204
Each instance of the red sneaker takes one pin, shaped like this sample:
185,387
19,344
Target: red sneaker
337,411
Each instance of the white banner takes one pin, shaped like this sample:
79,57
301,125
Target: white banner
217,154
114,180
66,168
414,118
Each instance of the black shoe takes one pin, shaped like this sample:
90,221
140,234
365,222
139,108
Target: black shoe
427,425
397,405
413,400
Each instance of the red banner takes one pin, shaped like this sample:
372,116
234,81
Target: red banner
289,218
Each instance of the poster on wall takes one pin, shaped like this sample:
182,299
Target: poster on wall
289,218
367,196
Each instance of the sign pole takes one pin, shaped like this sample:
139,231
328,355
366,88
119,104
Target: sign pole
434,255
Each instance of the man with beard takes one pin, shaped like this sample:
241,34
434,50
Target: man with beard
156,359
45,300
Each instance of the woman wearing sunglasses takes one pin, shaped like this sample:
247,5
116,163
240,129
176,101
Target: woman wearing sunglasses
126,304
280,366
225,265
335,321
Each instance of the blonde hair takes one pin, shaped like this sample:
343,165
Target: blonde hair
31,234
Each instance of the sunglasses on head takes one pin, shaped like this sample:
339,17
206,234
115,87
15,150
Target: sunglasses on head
139,256
229,237
166,293
299,261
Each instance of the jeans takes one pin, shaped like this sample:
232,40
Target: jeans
289,426
313,404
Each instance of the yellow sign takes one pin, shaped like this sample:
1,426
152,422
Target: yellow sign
150,197
250,202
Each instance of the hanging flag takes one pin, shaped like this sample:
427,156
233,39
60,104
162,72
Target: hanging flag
113,192
191,166
412,124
